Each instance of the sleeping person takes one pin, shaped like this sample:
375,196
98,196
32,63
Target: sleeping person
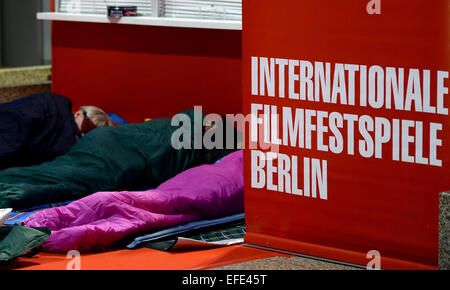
41,127
128,157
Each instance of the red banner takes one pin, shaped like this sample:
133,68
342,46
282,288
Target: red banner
350,110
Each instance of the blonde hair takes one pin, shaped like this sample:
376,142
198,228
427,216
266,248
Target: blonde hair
97,116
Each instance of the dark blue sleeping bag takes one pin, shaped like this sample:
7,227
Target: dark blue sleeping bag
35,129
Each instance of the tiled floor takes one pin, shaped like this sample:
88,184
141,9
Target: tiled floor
292,263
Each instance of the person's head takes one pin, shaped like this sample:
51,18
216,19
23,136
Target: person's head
88,118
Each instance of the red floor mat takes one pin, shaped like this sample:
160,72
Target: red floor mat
146,259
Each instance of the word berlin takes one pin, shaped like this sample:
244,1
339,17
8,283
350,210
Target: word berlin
412,139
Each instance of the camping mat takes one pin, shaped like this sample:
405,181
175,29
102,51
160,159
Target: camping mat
177,230
223,236
17,217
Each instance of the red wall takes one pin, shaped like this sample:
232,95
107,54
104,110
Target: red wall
372,204
143,71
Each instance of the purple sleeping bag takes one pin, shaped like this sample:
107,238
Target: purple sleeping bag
104,218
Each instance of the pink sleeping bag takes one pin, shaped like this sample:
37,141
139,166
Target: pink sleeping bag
104,218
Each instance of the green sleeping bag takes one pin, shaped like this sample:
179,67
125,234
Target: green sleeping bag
127,157
16,240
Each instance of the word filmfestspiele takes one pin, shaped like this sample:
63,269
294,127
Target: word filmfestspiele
299,130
